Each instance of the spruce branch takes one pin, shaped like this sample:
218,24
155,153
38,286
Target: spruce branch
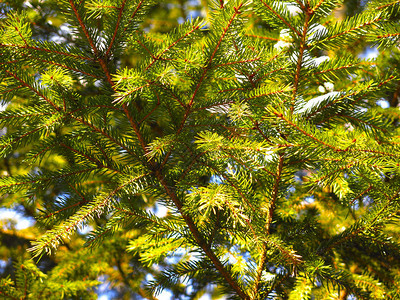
173,197
200,240
53,237
120,12
83,28
67,52
279,16
263,257
302,47
32,88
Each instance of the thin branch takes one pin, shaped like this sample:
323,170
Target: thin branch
200,240
133,15
281,18
83,27
155,58
47,179
263,258
300,59
306,133
32,89
47,50
116,28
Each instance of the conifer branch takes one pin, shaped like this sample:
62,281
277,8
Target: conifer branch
130,118
312,11
267,94
13,89
354,119
205,70
63,66
53,238
280,115
363,225
280,17
200,240
219,119
231,183
387,5
189,167
302,47
93,160
155,58
29,47
378,216
152,111
18,138
238,62
120,9
336,69
65,208
144,217
369,88
173,96
337,170
41,179
172,195
32,89
361,194
104,133
134,14
83,27
271,209
207,66
263,37
324,107
367,23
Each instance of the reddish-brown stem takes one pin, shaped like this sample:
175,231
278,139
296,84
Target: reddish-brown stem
154,108
88,213
95,161
361,194
237,62
102,132
83,26
316,6
133,15
108,76
262,37
64,66
354,28
257,126
65,208
116,28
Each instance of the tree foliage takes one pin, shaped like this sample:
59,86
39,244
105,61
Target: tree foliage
245,153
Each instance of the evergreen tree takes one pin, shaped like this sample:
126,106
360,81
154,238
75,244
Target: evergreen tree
257,130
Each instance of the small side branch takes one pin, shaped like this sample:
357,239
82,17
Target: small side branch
263,258
200,240
300,58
